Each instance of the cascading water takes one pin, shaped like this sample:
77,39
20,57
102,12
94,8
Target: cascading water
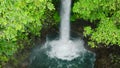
65,20
65,52
64,48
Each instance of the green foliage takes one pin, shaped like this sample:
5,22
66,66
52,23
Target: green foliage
18,19
56,17
115,58
107,12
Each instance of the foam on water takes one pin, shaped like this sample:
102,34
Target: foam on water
65,50
62,54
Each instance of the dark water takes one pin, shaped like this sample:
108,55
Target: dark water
40,60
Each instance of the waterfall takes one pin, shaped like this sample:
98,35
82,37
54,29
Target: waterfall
64,48
65,20
63,52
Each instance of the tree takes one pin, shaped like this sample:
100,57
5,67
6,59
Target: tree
18,19
106,15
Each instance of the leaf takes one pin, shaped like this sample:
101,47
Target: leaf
50,6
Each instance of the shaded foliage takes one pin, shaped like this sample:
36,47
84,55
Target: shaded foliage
107,12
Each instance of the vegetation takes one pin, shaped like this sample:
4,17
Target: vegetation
18,19
106,17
